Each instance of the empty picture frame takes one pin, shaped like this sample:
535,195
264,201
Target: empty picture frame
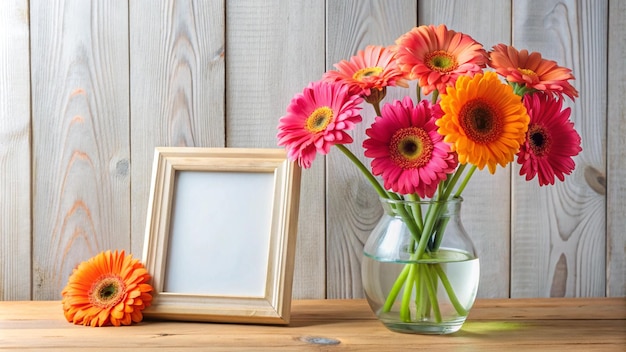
220,234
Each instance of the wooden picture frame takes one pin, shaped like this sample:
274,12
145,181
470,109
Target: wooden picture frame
220,234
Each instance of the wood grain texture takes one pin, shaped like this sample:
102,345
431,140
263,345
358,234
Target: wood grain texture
616,144
353,208
177,86
493,325
275,48
107,81
80,136
15,173
486,210
559,232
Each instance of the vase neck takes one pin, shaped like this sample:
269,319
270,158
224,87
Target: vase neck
450,207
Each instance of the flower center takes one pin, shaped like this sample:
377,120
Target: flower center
481,121
107,291
367,72
527,72
539,140
319,119
441,61
410,147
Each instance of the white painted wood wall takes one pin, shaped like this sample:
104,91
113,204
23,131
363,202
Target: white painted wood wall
89,88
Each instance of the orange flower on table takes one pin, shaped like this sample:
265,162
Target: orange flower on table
109,289
437,56
531,72
368,73
484,121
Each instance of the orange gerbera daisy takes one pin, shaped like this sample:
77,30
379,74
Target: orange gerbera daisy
371,69
483,120
108,289
438,56
531,72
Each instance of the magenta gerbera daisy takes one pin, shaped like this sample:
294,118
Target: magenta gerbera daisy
406,149
317,119
551,140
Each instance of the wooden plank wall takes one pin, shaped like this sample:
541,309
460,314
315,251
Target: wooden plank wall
616,147
89,88
562,233
15,152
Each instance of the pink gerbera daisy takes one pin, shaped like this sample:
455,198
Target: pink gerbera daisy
317,119
437,56
531,72
551,140
406,149
371,69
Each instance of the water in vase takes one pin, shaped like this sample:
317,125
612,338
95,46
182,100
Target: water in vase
441,291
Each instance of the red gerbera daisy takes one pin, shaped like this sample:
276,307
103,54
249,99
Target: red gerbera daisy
406,149
372,68
531,71
437,56
551,140
317,119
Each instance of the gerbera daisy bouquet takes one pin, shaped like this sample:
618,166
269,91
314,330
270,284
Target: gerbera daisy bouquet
428,149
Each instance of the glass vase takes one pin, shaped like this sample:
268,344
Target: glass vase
420,270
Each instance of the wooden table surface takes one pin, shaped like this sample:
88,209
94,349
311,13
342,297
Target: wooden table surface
553,324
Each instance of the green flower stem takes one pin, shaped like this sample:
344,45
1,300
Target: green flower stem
426,305
432,291
445,195
432,215
395,289
395,196
407,278
368,175
465,181
414,228
451,294
417,211
421,304
405,312
378,188
439,234
434,212
422,277
435,96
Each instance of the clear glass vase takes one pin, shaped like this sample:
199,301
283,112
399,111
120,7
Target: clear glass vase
420,270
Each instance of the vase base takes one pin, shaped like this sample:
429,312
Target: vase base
425,328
